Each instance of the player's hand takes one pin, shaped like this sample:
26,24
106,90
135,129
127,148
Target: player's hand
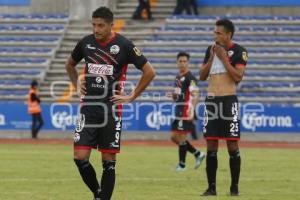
212,52
119,98
82,87
221,52
175,96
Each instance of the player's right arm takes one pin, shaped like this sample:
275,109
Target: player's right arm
76,57
72,72
207,63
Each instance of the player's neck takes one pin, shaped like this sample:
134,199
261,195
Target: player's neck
184,72
107,39
228,44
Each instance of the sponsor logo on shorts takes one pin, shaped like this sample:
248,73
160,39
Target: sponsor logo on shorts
114,145
180,125
100,69
76,137
80,123
118,128
234,126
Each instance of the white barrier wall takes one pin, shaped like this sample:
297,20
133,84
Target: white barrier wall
77,9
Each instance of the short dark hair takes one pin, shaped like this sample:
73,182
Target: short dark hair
103,13
34,83
180,54
227,24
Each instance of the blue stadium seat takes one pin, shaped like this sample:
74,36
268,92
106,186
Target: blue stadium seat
22,60
28,39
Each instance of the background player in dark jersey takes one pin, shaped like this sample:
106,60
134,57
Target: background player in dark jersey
224,63
106,56
185,96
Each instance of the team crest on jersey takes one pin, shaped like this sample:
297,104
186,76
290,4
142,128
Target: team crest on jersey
245,56
114,49
230,53
100,69
193,83
137,51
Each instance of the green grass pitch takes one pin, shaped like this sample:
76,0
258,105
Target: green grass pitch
47,172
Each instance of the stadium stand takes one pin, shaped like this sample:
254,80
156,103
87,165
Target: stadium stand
28,42
272,41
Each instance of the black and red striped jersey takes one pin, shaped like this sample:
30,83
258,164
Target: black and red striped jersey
236,53
106,65
183,87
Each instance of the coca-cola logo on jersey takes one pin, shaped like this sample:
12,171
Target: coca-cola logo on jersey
100,69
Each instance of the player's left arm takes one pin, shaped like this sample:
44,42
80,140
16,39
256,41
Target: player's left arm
147,76
136,57
236,72
194,90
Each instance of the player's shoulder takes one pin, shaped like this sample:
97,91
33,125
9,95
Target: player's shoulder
209,47
191,76
239,47
122,39
87,38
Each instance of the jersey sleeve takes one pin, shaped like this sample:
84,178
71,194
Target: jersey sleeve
135,56
207,55
242,57
77,53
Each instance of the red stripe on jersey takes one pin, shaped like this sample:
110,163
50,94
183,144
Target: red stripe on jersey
105,59
93,59
220,138
121,85
186,103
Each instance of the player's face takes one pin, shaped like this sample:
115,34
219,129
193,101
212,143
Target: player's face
221,35
182,63
101,28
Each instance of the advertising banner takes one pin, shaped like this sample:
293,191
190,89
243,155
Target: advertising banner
149,116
